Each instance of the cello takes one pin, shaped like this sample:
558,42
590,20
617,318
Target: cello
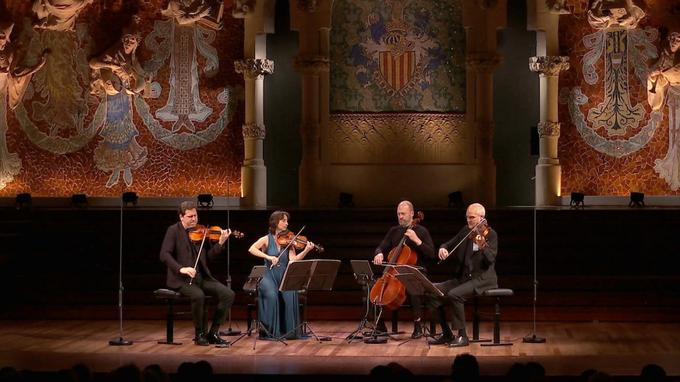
388,291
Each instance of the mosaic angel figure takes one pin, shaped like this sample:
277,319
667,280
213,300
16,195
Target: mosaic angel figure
117,76
14,79
58,15
663,88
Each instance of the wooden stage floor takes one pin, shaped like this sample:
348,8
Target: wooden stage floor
620,349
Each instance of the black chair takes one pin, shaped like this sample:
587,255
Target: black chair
497,294
171,298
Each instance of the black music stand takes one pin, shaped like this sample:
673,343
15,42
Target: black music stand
308,275
364,276
252,287
416,284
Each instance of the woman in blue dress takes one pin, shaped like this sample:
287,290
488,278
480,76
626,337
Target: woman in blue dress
278,312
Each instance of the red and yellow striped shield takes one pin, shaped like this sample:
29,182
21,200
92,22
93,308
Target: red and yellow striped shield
397,71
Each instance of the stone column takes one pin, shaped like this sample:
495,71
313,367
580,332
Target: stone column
480,67
312,69
312,20
254,172
548,169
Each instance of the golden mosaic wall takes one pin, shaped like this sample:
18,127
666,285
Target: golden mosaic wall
180,135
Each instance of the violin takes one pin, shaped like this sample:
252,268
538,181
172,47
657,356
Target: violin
284,238
479,233
212,233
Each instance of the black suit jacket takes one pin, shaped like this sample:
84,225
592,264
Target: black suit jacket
176,253
394,236
481,268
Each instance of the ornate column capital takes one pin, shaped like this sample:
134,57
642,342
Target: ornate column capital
548,129
312,63
309,6
254,67
242,8
482,62
253,131
549,65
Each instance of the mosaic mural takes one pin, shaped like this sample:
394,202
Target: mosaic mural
397,56
618,102
105,96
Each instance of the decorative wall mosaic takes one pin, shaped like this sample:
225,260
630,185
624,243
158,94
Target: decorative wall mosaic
397,55
397,138
124,96
618,100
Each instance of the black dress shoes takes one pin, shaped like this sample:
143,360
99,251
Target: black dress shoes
201,340
215,339
417,331
441,340
459,342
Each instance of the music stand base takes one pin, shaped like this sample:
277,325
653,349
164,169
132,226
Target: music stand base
230,332
120,342
496,344
168,343
480,340
375,340
533,339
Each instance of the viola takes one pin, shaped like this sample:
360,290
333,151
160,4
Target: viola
284,238
388,291
479,233
211,233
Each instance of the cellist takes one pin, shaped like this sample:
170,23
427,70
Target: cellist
419,240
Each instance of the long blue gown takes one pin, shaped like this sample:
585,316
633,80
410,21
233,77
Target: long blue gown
277,311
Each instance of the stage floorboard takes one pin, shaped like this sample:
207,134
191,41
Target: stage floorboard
620,349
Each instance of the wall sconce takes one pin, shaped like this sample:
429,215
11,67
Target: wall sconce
130,198
24,201
637,199
345,200
79,200
205,200
456,199
577,200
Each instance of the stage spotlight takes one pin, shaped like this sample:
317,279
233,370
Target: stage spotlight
345,200
577,200
456,199
205,200
637,199
130,198
79,200
24,201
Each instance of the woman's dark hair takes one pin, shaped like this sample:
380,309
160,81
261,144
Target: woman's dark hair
274,219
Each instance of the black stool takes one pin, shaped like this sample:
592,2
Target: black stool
496,293
171,298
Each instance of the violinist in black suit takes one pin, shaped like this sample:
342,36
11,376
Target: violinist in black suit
179,254
475,260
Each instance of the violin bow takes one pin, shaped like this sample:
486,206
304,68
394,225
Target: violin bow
198,257
289,244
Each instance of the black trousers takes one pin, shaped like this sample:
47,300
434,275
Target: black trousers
197,292
455,292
